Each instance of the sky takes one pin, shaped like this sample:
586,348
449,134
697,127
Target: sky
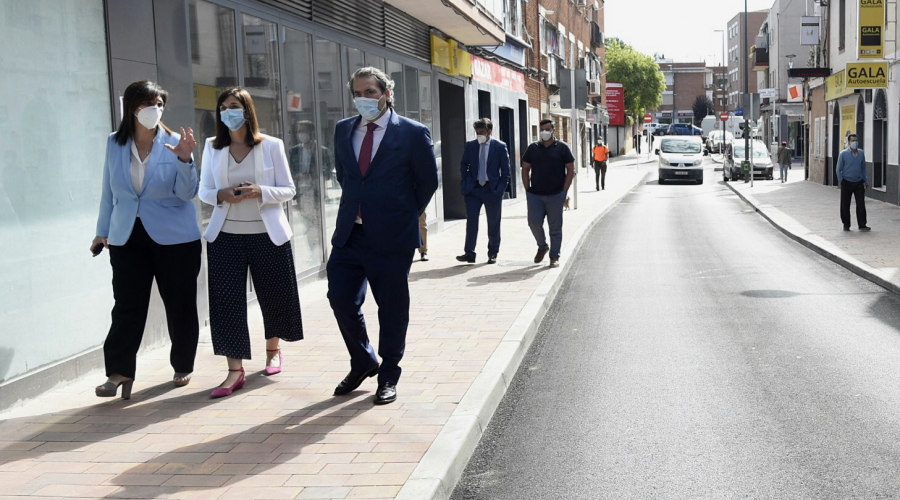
679,29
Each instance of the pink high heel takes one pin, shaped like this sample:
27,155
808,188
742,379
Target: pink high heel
221,392
272,370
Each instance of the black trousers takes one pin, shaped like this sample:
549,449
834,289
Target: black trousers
135,264
856,190
272,271
600,174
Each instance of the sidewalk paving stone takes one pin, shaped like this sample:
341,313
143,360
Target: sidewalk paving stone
286,436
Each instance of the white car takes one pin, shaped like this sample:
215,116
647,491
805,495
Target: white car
715,143
681,158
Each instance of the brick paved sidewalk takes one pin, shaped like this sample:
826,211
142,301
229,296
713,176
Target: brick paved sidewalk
810,213
286,436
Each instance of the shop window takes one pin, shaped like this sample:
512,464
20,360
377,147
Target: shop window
354,59
306,151
214,68
395,71
411,87
261,75
330,103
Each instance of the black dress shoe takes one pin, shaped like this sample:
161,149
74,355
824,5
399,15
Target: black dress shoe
423,256
466,258
540,255
865,228
386,393
492,260
353,380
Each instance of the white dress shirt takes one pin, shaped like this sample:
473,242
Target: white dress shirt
377,135
138,168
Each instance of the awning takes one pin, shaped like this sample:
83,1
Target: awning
459,19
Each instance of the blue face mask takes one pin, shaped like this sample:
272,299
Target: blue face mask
368,108
854,145
233,118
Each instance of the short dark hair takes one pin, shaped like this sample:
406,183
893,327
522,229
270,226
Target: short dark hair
852,135
136,94
484,124
545,122
223,138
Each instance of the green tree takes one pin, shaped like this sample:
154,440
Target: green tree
639,75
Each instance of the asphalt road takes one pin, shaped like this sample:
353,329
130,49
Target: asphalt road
696,352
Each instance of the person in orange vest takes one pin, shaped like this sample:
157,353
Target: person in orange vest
600,153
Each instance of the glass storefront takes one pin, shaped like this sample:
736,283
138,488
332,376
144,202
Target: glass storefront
298,82
54,119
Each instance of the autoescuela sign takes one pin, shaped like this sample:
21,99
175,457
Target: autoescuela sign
866,75
871,29
491,72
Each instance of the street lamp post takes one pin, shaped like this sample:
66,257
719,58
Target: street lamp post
745,54
790,58
722,80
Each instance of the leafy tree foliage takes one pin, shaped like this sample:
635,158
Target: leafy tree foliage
702,106
639,75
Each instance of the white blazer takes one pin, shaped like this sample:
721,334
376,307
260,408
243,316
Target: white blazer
272,175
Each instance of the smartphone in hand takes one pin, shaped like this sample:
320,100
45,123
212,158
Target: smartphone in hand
237,190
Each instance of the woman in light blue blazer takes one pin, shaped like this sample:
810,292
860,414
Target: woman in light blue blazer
149,224
245,177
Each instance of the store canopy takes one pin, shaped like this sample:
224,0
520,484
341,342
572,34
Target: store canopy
459,19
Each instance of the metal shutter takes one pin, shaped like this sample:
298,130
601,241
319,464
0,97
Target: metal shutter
361,18
407,34
302,8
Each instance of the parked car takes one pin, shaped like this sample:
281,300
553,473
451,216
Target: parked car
680,158
683,129
717,140
652,128
759,158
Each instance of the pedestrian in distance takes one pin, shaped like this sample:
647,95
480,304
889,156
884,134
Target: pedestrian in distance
423,233
853,179
484,172
785,155
387,170
600,153
548,168
149,224
246,178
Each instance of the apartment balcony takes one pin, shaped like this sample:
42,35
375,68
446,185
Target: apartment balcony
760,59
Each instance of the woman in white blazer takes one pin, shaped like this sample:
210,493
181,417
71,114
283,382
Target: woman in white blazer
245,176
149,224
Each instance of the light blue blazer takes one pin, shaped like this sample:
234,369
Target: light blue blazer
164,205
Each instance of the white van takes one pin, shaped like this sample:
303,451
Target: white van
680,158
712,122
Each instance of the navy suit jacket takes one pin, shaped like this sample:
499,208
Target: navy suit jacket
497,167
399,183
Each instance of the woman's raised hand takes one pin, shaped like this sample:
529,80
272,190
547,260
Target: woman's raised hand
185,145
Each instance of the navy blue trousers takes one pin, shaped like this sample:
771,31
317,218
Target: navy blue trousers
272,271
493,205
351,268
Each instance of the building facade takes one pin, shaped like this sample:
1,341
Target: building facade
738,55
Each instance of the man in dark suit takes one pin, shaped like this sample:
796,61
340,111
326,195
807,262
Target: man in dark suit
386,167
485,173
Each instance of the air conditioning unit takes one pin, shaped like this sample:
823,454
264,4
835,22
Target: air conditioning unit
594,87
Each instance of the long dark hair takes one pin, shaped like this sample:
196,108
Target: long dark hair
223,138
136,94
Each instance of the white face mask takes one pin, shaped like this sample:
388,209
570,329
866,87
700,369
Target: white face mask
368,108
303,137
481,139
546,135
149,117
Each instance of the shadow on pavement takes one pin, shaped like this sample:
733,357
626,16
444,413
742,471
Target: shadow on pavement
520,274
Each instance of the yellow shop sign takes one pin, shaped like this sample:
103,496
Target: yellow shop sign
835,86
866,75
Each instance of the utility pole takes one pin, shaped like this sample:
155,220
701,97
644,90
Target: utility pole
746,56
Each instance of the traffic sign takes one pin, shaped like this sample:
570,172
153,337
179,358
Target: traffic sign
723,116
648,118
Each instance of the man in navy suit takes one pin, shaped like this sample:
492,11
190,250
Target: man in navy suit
386,167
485,173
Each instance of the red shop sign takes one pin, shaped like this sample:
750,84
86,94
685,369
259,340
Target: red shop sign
491,72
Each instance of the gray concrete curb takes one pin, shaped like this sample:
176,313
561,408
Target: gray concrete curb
443,464
801,234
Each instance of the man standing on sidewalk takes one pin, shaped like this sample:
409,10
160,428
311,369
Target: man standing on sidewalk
601,153
784,160
484,170
852,177
388,173
548,168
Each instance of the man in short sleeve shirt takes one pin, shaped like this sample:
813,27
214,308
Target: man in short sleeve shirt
548,168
